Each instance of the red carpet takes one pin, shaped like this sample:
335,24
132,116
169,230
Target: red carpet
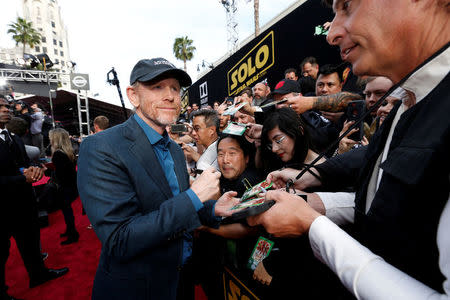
81,258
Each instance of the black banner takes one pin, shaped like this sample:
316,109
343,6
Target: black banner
235,289
283,45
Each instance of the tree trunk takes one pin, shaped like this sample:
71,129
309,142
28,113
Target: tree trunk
256,15
185,69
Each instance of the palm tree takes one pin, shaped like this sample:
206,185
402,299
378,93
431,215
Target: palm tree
23,32
183,49
256,16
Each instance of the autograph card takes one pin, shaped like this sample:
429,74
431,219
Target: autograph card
234,129
261,187
249,203
233,109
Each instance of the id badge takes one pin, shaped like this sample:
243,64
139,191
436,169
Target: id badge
262,250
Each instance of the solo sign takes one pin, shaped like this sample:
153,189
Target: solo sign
184,101
234,289
252,66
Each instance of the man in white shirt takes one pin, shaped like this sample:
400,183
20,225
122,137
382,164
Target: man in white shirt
205,126
404,184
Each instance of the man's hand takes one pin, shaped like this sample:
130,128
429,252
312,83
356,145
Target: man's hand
280,178
290,216
260,274
346,143
206,186
223,205
222,107
33,174
190,153
254,131
248,109
300,104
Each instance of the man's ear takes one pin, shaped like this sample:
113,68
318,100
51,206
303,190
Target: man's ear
247,158
212,130
132,96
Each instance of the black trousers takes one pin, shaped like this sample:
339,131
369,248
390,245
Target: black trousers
66,196
20,221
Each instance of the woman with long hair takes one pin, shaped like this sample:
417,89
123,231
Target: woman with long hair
64,175
285,141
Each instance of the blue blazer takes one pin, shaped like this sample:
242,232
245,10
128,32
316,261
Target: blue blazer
134,214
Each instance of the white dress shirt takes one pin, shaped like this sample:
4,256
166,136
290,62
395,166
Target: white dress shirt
339,207
365,274
2,136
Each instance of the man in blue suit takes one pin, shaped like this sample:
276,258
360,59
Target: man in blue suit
134,186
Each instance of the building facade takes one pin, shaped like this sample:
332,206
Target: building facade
46,18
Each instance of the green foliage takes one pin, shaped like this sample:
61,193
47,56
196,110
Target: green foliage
24,33
183,49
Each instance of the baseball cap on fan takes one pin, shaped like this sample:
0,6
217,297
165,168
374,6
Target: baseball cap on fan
286,86
150,69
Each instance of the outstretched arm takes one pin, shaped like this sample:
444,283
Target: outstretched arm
333,103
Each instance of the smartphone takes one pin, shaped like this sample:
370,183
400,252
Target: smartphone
355,110
178,128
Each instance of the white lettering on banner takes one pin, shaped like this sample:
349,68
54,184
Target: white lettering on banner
203,89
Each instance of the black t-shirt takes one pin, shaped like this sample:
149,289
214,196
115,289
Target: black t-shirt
253,177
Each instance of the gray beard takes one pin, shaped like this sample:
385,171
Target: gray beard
257,102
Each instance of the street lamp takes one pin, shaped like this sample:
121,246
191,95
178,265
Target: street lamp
205,64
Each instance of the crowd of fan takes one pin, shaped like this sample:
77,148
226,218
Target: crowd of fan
32,123
276,137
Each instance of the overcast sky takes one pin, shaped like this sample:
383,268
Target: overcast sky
104,34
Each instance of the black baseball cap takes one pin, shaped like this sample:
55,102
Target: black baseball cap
287,86
149,69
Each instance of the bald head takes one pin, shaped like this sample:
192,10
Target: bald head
260,91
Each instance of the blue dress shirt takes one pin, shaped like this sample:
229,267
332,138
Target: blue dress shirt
160,145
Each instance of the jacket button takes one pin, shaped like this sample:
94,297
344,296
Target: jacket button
179,268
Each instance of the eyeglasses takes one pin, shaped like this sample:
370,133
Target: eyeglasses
278,142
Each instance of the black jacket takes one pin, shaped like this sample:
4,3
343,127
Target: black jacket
401,224
12,182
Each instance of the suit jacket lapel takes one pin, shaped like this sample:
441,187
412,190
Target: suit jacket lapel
145,155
